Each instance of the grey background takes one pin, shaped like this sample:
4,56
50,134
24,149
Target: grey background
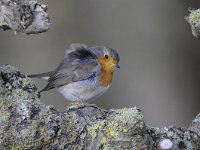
160,60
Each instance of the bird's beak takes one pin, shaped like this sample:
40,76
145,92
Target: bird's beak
117,66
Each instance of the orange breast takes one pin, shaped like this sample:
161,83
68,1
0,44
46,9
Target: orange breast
106,72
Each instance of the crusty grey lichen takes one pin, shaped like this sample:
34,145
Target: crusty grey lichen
26,123
195,126
115,131
180,137
27,16
194,20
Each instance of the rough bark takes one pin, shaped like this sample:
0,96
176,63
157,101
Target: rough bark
27,16
27,123
194,20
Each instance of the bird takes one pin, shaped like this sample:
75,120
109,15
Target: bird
84,73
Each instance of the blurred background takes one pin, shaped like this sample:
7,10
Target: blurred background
160,59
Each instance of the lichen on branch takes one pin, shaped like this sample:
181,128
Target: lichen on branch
194,20
27,16
27,123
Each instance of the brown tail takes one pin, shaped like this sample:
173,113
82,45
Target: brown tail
46,74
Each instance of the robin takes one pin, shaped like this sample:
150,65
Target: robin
84,73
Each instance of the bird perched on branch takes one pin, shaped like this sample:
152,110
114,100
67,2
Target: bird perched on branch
84,73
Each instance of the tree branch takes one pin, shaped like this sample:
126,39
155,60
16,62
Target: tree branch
194,20
29,17
26,123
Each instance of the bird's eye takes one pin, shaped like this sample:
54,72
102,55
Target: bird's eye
106,56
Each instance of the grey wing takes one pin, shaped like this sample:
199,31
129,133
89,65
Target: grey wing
72,71
74,47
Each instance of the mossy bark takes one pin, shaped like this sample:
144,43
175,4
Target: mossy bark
194,20
28,17
26,123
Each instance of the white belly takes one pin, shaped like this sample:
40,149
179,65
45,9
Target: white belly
82,90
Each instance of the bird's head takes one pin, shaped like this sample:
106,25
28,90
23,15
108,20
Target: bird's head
108,57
